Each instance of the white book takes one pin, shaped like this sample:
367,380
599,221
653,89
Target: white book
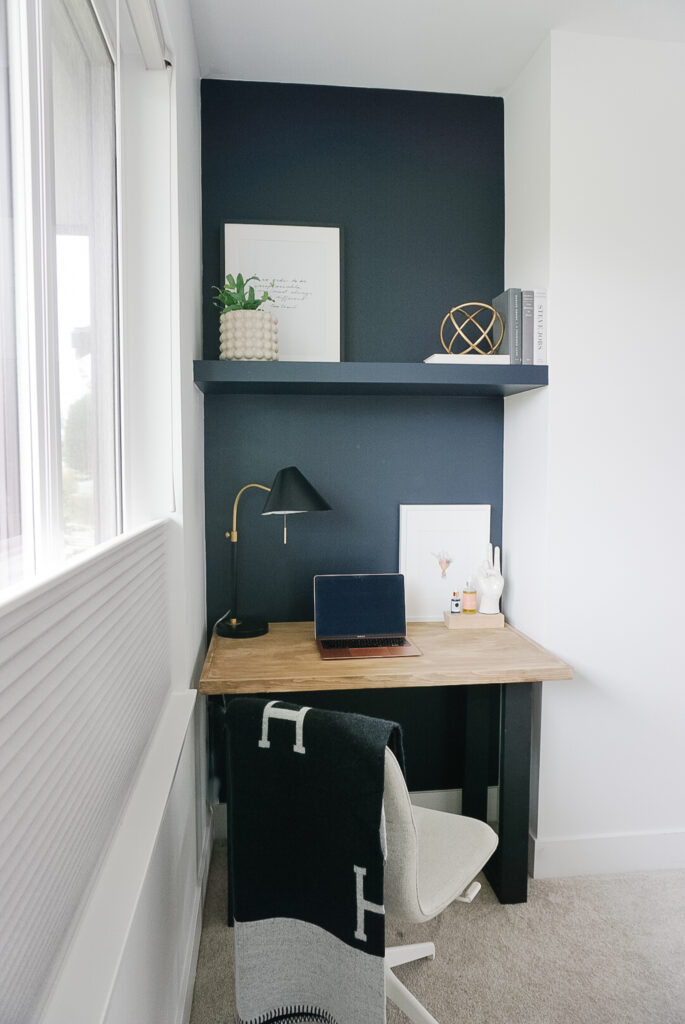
461,358
540,328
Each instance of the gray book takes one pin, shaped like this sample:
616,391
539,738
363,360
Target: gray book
508,305
527,327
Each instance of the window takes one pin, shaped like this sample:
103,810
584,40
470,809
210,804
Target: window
60,429
10,503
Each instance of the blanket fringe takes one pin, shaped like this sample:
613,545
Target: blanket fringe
292,1015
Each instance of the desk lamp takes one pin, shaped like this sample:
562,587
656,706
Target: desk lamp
290,492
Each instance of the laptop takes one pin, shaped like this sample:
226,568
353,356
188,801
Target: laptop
361,615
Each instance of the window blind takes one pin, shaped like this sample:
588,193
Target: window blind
84,675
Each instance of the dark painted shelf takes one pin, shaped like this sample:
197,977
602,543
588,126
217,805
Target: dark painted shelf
225,377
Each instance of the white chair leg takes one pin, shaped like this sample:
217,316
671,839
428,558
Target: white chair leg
405,1001
395,955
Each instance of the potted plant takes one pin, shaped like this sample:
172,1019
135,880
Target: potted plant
245,331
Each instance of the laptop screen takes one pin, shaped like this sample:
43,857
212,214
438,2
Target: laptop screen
359,605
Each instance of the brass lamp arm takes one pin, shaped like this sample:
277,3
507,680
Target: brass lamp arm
233,535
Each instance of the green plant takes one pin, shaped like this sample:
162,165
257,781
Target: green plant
232,296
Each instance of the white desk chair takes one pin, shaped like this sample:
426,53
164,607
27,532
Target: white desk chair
432,859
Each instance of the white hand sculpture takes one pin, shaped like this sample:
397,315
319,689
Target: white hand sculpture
490,583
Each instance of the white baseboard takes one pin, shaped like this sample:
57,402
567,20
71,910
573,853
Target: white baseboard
609,854
193,948
559,858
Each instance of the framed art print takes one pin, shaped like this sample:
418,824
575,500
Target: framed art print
441,546
299,266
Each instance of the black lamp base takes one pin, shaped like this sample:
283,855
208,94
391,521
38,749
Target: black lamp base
242,629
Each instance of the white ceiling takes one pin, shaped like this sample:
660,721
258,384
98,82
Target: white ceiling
463,46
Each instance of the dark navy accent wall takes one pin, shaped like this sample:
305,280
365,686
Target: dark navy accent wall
366,456
415,181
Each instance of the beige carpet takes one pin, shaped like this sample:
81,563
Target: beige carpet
607,949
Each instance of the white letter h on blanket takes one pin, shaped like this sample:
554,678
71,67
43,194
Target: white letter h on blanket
363,905
293,716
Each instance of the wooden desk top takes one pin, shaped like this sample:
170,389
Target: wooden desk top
286,660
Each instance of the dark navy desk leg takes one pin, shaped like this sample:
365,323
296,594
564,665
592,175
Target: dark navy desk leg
228,786
230,916
474,802
507,870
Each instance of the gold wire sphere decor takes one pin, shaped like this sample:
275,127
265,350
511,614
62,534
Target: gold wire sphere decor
475,323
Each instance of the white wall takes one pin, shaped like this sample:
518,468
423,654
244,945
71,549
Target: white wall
188,441
527,184
526,261
596,463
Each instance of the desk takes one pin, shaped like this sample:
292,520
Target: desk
285,660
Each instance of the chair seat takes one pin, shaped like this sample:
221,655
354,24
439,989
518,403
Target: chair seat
452,849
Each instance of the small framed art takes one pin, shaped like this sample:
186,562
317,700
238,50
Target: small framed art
299,266
441,546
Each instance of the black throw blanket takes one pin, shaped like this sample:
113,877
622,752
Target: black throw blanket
306,854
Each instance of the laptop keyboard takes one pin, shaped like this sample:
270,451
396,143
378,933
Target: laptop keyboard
372,641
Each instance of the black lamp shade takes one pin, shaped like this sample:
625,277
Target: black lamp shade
292,492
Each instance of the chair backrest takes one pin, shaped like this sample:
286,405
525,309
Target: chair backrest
401,889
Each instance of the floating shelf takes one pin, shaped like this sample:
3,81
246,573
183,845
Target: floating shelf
225,377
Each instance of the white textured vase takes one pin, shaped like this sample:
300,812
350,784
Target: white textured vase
248,334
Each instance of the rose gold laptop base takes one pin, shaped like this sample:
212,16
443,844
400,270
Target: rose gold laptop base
407,650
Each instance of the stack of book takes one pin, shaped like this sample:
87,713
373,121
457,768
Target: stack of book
524,315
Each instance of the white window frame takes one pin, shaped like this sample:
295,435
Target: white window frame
37,342
10,512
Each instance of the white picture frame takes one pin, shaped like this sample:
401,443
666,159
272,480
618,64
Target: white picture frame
299,266
460,533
